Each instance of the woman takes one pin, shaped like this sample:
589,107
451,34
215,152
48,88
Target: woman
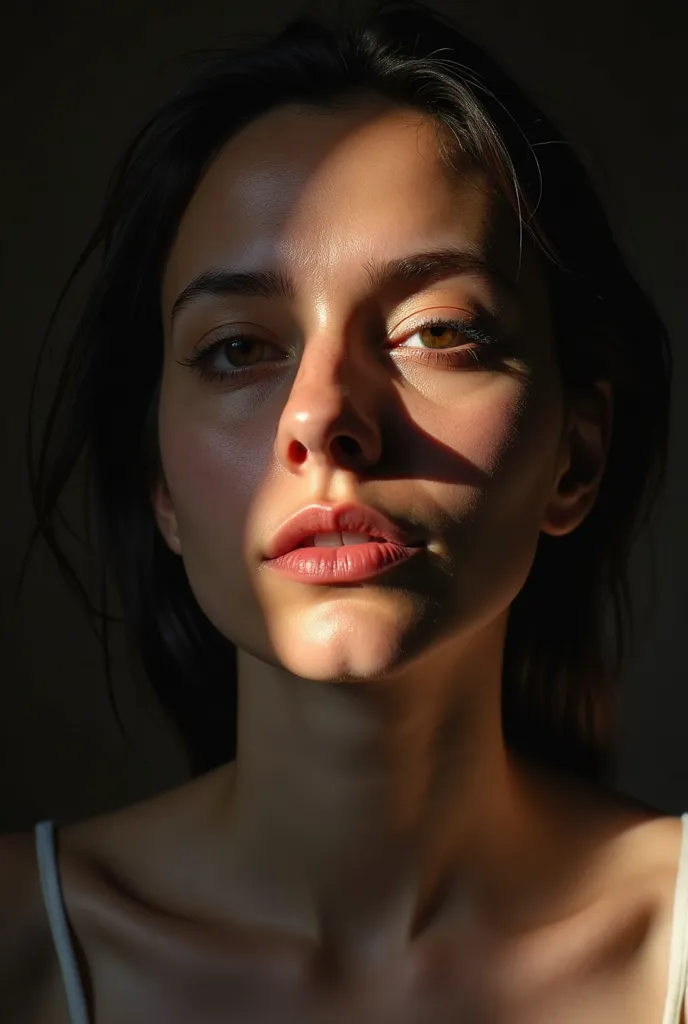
372,409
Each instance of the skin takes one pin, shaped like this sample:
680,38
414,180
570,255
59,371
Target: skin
475,460
374,826
343,774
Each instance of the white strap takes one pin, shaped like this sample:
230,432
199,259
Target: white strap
54,904
677,994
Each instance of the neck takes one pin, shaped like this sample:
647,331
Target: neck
356,806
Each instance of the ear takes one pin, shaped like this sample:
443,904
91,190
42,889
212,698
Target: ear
165,515
582,460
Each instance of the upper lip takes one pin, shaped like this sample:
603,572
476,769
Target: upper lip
334,519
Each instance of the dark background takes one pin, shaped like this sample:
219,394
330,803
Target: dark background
77,79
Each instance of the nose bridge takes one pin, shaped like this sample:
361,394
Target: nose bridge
324,370
331,407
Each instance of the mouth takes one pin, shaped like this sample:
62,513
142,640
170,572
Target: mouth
324,526
332,563
338,540
349,543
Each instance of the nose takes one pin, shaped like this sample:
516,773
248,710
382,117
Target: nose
330,419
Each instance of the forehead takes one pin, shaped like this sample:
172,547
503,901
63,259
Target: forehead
321,193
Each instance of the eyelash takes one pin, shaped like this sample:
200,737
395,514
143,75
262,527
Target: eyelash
461,355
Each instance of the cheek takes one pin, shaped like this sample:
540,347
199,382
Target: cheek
212,472
497,423
484,431
508,431
510,435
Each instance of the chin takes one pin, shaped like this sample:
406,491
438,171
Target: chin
338,645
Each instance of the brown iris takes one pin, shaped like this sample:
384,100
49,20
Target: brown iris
438,336
244,351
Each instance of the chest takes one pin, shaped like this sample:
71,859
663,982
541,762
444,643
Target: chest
117,992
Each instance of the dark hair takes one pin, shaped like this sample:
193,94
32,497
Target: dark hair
559,670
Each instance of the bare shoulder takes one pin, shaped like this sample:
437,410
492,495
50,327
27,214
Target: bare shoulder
140,842
18,875
644,866
636,863
24,934
643,851
635,852
90,852
609,868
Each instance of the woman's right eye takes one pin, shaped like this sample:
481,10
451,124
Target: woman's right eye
232,355
242,351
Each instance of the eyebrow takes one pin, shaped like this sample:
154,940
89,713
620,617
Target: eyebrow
417,268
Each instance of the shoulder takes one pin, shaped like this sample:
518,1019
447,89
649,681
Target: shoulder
91,855
644,859
20,901
24,931
18,873
649,862
137,843
613,916
637,852
638,869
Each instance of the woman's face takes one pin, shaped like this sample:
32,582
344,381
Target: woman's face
336,390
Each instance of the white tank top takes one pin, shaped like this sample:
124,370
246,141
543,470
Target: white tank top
676,996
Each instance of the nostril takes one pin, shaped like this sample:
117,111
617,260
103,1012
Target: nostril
299,452
348,445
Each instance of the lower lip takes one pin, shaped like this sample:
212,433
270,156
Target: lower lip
348,564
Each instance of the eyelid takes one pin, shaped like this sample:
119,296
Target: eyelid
421,316
237,329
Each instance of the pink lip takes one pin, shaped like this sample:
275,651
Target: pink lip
287,554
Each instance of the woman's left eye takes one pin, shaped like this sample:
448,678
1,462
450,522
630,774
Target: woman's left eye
451,343
436,336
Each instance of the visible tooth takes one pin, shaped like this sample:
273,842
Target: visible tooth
327,540
355,538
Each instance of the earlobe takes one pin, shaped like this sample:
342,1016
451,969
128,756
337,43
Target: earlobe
582,462
165,516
